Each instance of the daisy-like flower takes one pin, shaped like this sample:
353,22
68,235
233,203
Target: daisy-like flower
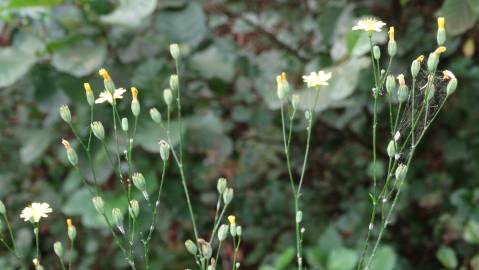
107,96
316,79
369,25
35,212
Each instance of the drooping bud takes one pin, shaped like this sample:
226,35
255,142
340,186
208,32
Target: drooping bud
3,210
403,91
391,149
98,130
168,96
134,209
58,248
135,104
282,86
71,230
433,58
108,82
221,185
117,218
228,195
401,172
124,124
191,247
90,98
441,31
175,51
451,86
65,114
390,84
416,65
140,183
98,204
223,232
155,115
295,101
392,46
71,153
376,52
164,150
174,82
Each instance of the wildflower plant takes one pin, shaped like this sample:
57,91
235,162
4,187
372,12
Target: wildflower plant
411,109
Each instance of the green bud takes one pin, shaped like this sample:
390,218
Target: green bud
58,248
98,204
155,115
239,230
174,82
135,108
140,183
391,149
441,36
134,209
110,86
299,216
72,233
295,101
223,232
191,247
432,62
403,93
392,48
228,195
90,98
98,130
233,230
415,67
401,172
451,86
3,211
221,185
124,124
175,51
376,52
206,250
117,218
164,150
71,153
390,84
168,96
65,114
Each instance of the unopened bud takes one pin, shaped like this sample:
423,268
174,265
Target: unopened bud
168,96
155,115
164,150
3,211
108,82
239,230
282,86
65,114
222,232
174,82
401,172
221,185
98,204
117,218
416,66
140,183
98,130
71,230
295,101
175,51
390,84
391,149
58,248
228,195
191,247
135,104
90,98
432,62
299,216
124,124
71,153
376,52
441,31
451,86
134,209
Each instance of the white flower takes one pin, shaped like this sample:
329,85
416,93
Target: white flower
107,96
369,25
315,79
35,212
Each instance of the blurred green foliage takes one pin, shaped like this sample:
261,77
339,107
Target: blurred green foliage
234,51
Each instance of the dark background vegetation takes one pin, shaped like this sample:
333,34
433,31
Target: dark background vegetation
234,50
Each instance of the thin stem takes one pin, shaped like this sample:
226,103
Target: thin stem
216,225
178,101
10,232
37,239
62,263
72,243
236,251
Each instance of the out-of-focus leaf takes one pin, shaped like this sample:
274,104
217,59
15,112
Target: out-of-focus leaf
81,58
447,257
220,65
36,145
149,133
385,259
342,259
130,12
459,15
471,232
284,259
32,3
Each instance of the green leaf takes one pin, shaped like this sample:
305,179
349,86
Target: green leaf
385,259
35,146
149,133
130,12
220,65
447,257
459,15
13,65
32,3
471,232
342,259
284,259
81,58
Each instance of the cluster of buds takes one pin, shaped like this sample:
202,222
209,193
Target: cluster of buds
235,230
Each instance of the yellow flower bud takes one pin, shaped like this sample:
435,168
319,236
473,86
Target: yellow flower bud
104,74
69,223
440,23
440,50
391,34
87,88
420,58
232,220
401,80
134,93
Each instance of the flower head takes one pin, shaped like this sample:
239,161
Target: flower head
369,25
447,75
391,34
107,96
35,212
104,74
232,220
316,79
66,144
440,23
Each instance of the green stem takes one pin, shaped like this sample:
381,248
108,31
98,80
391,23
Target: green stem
72,243
37,239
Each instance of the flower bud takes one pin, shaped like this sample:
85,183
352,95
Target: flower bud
401,172
222,184
441,31
232,221
164,150
403,93
432,62
191,247
228,195
206,249
90,98
223,232
282,86
174,82
376,52
3,211
239,230
168,96
392,46
98,130
124,124
155,115
295,101
416,66
58,248
307,115
140,183
299,216
71,230
135,104
98,204
65,114
175,51
391,149
390,84
134,209
431,90
451,86
71,154
109,85
117,218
